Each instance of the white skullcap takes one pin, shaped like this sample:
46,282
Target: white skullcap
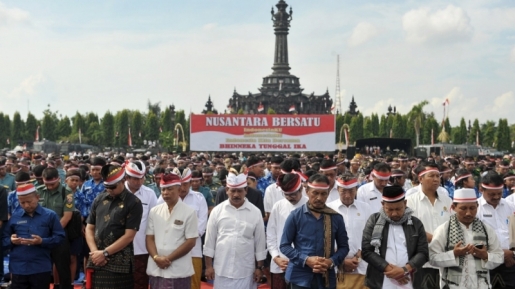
465,196
132,170
236,181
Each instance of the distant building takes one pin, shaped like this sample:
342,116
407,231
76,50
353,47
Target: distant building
281,90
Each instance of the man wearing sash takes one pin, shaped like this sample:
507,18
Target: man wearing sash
464,247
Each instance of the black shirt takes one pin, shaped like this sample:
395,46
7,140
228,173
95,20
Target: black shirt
254,196
111,217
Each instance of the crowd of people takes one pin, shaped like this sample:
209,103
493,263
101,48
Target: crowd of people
289,220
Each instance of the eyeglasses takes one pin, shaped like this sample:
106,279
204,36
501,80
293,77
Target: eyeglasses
111,187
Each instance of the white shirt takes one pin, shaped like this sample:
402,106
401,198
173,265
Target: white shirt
417,188
333,194
235,237
369,194
355,217
170,230
274,230
511,199
273,194
440,257
497,218
396,254
196,201
148,201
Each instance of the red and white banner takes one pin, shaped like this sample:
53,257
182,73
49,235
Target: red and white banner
230,132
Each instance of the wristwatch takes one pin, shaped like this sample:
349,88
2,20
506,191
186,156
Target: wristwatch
332,265
262,268
106,254
406,272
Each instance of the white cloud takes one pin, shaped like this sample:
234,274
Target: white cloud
209,26
451,24
512,55
12,15
501,102
363,32
28,86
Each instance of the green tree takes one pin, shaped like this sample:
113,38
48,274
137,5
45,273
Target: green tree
108,130
430,130
347,118
6,128
503,140
488,130
383,127
166,120
79,123
447,125
460,134
367,128
475,132
64,128
398,126
31,125
271,111
375,125
17,128
121,121
137,128
49,125
338,127
3,135
88,120
356,128
155,108
152,127
416,117
94,133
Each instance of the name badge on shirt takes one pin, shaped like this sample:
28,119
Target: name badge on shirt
178,222
22,222
489,216
373,198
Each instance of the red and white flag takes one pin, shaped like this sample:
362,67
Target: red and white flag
130,137
346,132
446,102
37,133
432,137
292,108
261,107
477,137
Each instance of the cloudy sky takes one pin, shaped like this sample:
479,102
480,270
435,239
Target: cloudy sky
99,55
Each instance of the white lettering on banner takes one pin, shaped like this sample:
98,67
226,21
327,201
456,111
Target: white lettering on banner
262,121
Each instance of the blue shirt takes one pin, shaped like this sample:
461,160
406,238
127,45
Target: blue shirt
12,203
506,192
28,260
62,175
8,181
306,233
85,197
449,186
264,182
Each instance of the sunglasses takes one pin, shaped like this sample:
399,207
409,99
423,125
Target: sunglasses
111,187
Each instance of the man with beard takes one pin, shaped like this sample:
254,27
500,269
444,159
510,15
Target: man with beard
464,247
291,186
394,243
314,239
432,208
235,238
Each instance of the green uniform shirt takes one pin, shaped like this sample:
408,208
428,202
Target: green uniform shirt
8,181
54,201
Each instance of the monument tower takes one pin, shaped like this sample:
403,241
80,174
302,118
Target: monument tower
281,91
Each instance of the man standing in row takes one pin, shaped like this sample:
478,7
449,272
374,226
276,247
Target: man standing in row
235,238
134,178
309,238
114,219
371,193
171,234
394,243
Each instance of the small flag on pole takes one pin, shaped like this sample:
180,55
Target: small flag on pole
446,102
477,138
37,133
130,137
432,137
261,107
346,132
292,108
80,136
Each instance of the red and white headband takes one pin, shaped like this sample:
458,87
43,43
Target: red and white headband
424,172
236,181
394,199
51,181
488,187
462,178
115,176
175,181
380,175
25,189
348,184
132,170
317,186
328,168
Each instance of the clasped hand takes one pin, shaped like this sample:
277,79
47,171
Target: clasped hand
318,264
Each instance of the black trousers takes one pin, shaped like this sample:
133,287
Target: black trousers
61,259
426,278
503,277
34,281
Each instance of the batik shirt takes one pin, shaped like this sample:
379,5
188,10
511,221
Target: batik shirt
264,182
84,198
